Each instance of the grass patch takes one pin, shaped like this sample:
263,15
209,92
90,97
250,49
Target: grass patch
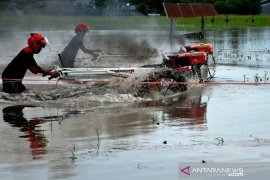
73,156
235,22
8,22
27,23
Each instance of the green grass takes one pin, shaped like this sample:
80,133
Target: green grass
9,22
68,22
235,22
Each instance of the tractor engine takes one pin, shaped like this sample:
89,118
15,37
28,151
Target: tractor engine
187,61
207,48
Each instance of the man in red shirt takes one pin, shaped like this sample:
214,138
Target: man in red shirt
15,71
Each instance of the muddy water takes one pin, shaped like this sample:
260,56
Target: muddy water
81,131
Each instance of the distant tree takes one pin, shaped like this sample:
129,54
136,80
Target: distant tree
101,3
221,7
142,5
247,7
99,6
3,4
22,5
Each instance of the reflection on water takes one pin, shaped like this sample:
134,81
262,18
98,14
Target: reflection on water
120,128
193,110
185,110
31,128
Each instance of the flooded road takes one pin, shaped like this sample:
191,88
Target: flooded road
81,131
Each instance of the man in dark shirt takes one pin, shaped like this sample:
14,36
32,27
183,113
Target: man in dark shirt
15,71
70,52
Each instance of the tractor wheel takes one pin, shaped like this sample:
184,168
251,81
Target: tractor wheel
163,81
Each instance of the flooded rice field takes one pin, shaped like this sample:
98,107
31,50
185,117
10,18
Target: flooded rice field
102,131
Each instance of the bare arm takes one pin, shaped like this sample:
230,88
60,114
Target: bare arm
45,72
85,50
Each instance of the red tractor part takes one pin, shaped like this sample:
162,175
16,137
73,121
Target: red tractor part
185,61
207,48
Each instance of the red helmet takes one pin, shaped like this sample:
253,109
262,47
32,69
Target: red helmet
81,28
37,41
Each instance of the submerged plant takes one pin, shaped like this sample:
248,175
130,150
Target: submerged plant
220,140
98,139
98,143
266,77
43,138
155,120
245,78
73,155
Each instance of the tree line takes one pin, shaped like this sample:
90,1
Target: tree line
92,7
242,7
